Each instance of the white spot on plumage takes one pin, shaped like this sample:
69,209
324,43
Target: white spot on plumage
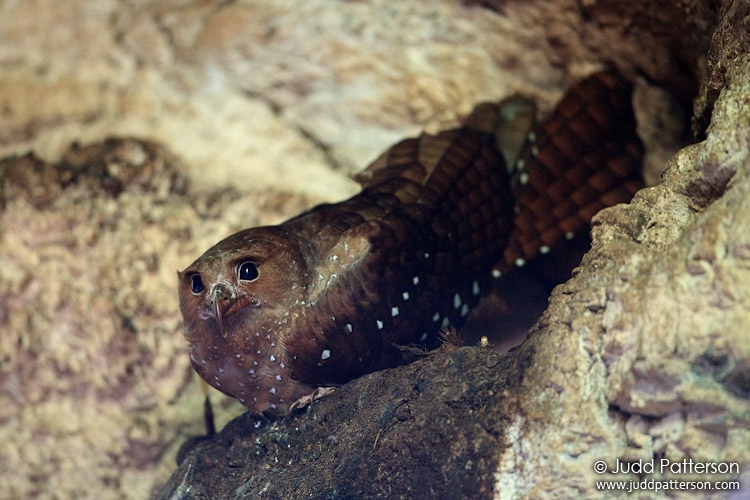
415,280
349,327
457,301
475,288
426,255
405,295
544,249
465,310
569,235
496,273
379,323
251,371
523,178
445,323
531,136
282,365
423,337
520,164
272,390
534,150
394,312
520,262
272,358
436,317
278,377
325,354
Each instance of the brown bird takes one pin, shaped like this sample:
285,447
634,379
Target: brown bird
271,313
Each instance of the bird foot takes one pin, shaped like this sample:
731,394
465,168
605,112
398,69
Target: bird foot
308,399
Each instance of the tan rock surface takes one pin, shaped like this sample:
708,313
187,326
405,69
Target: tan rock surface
267,107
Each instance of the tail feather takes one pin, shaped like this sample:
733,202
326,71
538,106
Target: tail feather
503,190
586,156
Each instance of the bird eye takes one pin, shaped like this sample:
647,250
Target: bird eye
196,284
249,271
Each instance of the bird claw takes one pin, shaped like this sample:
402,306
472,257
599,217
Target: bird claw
309,399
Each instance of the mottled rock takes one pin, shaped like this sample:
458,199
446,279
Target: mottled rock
94,367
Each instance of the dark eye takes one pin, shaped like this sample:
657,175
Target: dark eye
196,284
249,271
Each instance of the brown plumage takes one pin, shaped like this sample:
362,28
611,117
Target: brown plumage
273,312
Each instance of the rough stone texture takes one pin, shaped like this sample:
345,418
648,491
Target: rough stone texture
267,106
434,432
96,388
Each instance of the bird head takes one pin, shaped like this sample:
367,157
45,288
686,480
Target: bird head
248,275
236,301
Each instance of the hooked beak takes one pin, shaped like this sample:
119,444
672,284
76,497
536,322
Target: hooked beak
222,297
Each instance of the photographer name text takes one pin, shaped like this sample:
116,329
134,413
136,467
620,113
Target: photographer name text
666,466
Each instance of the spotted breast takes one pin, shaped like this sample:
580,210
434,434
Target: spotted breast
271,313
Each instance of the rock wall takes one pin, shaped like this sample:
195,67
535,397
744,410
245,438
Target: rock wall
237,114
